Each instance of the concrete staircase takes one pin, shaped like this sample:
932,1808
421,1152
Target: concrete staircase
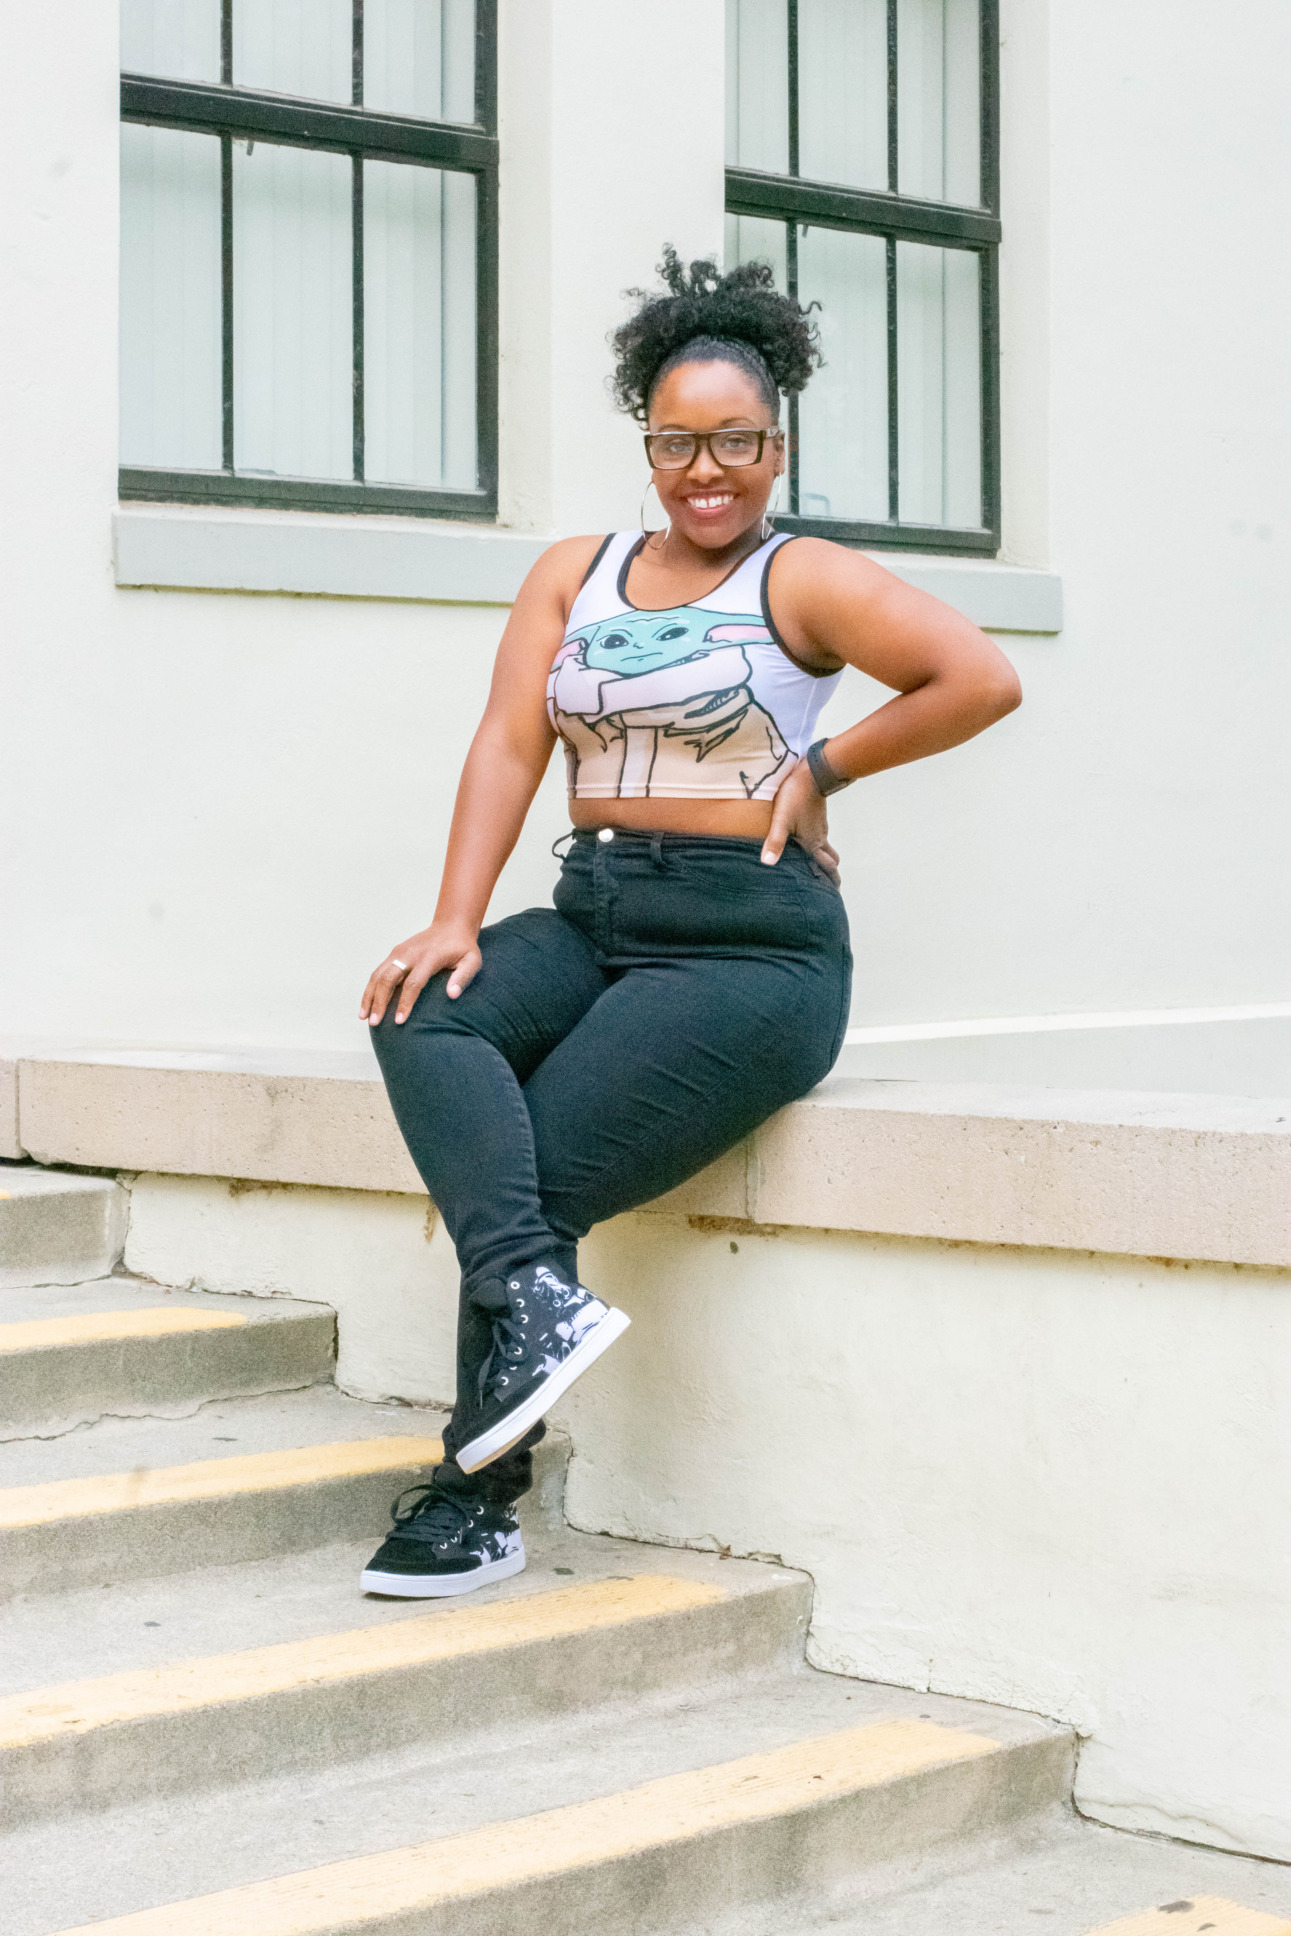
205,1728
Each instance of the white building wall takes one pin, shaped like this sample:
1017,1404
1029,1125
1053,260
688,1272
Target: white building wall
220,810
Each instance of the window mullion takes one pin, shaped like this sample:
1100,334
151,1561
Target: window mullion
356,55
226,296
791,15
356,251
892,101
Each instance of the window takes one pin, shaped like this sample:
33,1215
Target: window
862,143
308,254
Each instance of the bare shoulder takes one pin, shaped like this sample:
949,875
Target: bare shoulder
825,596
811,566
561,569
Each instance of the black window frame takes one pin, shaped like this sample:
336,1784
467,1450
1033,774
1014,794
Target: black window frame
797,202
239,113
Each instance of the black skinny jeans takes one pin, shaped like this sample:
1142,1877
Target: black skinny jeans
677,994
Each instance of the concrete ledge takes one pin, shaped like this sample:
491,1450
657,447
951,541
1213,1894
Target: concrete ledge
1206,1177
10,1146
338,556
1201,1177
327,555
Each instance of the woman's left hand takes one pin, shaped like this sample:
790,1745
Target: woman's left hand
799,814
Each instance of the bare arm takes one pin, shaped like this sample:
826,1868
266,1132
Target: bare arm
507,759
834,608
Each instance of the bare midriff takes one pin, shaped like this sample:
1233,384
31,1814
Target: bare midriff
748,819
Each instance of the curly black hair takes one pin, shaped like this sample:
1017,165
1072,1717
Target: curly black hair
740,312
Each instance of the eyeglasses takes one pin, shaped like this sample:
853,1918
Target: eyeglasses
676,450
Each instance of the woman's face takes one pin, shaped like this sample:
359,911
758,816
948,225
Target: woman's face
710,505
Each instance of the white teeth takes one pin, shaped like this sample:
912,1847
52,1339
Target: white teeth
710,503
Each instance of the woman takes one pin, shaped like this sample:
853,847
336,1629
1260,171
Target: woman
693,976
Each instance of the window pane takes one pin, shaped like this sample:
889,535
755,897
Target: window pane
419,325
843,415
295,47
177,38
843,91
939,384
757,84
292,312
171,395
938,100
750,239
419,58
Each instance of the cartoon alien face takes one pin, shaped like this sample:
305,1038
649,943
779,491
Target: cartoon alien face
644,641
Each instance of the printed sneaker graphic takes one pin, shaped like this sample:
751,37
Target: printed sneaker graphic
545,1335
440,1545
642,699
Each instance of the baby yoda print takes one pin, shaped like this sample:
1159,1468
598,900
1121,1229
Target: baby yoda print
643,699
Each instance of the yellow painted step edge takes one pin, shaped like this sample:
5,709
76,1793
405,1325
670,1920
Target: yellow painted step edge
673,1809
1190,1915
97,1327
77,1707
70,1499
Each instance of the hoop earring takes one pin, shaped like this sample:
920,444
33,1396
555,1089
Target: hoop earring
667,521
768,529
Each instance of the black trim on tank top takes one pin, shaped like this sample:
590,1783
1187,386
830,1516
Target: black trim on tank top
601,550
622,586
634,552
769,622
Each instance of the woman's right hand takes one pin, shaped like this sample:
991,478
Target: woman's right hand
410,965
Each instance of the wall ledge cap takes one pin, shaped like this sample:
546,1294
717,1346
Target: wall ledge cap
1190,1177
326,554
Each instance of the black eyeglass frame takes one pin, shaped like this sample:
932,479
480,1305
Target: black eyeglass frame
704,439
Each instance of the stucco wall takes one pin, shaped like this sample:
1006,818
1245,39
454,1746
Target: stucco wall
1054,1479
220,810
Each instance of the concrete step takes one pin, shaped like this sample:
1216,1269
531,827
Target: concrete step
56,1228
325,1673
122,1347
1066,1877
126,1499
638,1818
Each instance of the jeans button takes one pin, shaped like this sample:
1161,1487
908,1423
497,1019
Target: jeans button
606,833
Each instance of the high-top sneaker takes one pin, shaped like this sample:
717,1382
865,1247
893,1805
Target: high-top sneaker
441,1544
546,1336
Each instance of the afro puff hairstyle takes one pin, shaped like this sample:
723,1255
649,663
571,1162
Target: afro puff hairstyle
741,309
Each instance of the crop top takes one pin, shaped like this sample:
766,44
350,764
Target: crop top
698,701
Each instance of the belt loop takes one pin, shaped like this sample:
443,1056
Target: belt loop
571,835
656,849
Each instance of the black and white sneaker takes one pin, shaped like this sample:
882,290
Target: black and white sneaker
548,1335
442,1545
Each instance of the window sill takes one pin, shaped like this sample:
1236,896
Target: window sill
310,554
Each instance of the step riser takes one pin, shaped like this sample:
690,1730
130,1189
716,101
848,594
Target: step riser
805,1855
52,1390
445,1702
178,1537
59,1235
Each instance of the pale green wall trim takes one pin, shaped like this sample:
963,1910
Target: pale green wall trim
326,556
173,547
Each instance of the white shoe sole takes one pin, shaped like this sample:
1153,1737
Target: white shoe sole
440,1586
501,1437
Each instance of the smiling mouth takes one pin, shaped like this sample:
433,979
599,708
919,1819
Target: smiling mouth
712,501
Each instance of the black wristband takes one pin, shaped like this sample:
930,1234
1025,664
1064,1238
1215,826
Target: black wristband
824,778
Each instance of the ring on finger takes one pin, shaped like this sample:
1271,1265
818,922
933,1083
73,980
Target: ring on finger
402,966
